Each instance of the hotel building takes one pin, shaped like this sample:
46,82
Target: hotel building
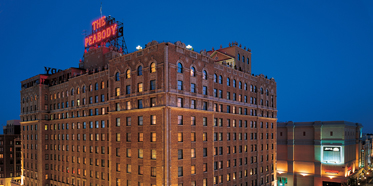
163,115
321,153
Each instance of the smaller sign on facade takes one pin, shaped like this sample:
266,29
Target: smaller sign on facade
49,70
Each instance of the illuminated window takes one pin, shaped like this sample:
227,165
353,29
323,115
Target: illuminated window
140,154
139,71
118,136
140,88
128,153
204,74
153,137
128,104
128,168
180,137
192,153
152,68
154,154
193,169
117,92
128,74
78,90
180,120
141,137
192,71
179,102
179,68
102,85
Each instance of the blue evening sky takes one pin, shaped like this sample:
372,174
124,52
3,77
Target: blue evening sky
319,52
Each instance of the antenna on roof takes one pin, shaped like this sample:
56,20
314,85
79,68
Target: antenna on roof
101,10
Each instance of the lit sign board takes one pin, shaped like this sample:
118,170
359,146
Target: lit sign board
335,149
104,30
332,171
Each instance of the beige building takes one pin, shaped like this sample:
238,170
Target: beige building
317,153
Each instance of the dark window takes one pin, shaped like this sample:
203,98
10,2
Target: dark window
179,68
204,90
152,85
193,88
140,103
139,71
180,85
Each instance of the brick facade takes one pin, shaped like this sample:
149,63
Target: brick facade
142,108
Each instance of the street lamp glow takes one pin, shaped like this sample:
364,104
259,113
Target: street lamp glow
139,47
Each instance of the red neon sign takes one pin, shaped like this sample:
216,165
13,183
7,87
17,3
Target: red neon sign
99,23
100,35
101,32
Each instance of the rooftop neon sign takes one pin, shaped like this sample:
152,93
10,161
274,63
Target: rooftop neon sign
103,30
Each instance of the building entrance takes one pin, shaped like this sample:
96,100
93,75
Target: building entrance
325,183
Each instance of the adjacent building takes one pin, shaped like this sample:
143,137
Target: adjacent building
366,151
163,115
10,153
317,153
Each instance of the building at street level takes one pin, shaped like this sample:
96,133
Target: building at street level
163,115
10,153
318,153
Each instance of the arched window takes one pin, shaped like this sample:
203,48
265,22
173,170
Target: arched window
238,56
179,68
128,74
139,71
96,86
261,90
267,93
240,85
234,83
215,78
245,86
77,91
152,67
204,74
117,76
72,91
23,100
220,79
90,87
192,71
243,58
248,61
228,82
83,89
102,85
